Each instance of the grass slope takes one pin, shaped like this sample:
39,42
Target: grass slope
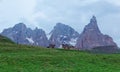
21,58
4,39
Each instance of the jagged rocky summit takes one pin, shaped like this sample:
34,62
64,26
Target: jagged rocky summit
23,35
63,34
91,37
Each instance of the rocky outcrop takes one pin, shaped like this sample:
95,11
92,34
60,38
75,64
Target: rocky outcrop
23,35
92,37
63,34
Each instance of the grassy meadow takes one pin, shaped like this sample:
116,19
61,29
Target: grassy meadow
23,58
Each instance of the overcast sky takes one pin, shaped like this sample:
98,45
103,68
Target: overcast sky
76,13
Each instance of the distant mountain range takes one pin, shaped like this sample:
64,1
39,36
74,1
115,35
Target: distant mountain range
91,36
23,35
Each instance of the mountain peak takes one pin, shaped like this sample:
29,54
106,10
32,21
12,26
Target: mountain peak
20,25
60,25
92,26
36,28
23,35
92,37
63,33
93,19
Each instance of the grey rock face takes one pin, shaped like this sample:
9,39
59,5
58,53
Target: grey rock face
23,35
92,37
63,34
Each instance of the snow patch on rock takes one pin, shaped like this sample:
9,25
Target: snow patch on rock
30,40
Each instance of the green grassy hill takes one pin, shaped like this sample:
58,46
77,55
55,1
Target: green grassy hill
22,58
5,40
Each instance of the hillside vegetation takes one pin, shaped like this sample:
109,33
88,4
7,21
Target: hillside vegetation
5,40
23,58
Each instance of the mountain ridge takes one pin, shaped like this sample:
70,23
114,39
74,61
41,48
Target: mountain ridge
61,34
23,35
92,37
